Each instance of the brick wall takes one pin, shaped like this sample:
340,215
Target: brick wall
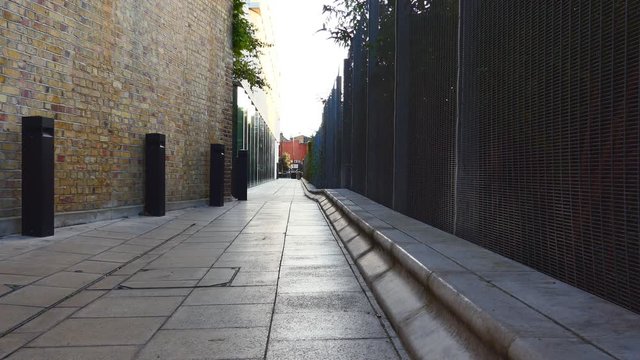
109,71
294,148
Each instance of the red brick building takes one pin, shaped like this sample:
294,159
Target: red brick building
296,148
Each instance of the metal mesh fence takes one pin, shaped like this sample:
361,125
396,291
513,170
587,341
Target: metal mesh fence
552,107
514,125
428,47
326,149
380,101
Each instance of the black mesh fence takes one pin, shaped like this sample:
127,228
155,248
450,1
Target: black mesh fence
380,101
427,43
550,142
514,125
324,162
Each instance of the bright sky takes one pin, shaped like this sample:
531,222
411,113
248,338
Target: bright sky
308,63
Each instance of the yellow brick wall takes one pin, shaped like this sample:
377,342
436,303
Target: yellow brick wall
108,72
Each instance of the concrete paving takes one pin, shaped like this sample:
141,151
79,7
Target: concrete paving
262,279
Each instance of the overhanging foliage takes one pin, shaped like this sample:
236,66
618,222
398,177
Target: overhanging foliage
246,49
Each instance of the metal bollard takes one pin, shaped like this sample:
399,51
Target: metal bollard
243,179
154,180
37,176
216,175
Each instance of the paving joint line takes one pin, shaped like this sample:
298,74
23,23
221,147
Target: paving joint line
275,299
18,287
44,310
85,288
142,346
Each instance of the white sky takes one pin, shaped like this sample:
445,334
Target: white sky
308,63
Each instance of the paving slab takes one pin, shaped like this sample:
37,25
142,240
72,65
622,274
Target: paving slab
113,307
17,279
170,261
32,295
108,282
47,320
132,248
350,349
100,241
305,230
253,247
260,238
326,325
144,242
310,238
207,344
107,331
316,271
68,279
308,284
324,248
249,278
76,246
109,234
112,256
218,276
220,316
28,268
51,257
82,299
12,315
353,301
314,260
68,353
94,267
191,273
159,284
136,265
12,342
232,295
149,292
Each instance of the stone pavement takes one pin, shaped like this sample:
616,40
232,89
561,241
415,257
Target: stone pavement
259,279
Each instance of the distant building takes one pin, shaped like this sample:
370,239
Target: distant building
296,148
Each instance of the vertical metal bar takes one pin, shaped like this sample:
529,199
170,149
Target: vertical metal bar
402,71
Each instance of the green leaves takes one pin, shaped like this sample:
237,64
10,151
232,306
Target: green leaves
284,162
246,49
342,18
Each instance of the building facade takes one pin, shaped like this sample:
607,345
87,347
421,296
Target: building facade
109,72
257,118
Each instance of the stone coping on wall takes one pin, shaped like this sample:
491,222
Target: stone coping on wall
520,312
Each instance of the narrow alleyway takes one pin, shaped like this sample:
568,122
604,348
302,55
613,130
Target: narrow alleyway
255,279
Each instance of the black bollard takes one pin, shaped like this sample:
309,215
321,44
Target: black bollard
154,180
216,175
37,176
243,168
